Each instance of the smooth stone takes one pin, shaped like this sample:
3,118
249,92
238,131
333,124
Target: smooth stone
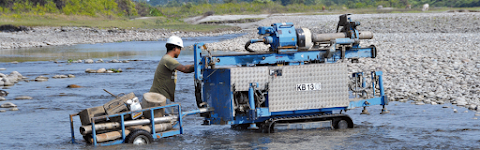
3,110
100,60
14,62
461,103
23,97
8,105
433,103
3,69
2,98
466,111
90,71
455,110
119,70
109,71
419,103
88,61
7,82
2,75
445,107
472,107
41,79
14,109
477,114
74,86
101,70
125,61
115,61
71,76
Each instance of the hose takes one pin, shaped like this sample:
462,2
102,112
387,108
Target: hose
246,46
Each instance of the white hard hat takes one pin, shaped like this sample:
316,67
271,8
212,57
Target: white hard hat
175,40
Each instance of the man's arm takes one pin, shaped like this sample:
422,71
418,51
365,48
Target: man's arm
185,69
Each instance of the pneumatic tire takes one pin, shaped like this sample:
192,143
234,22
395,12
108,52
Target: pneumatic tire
139,137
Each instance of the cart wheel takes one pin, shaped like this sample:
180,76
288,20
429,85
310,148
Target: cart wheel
139,137
88,138
342,123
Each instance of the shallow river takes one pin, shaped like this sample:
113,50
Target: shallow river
43,123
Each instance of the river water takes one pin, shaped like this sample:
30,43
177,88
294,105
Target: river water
43,123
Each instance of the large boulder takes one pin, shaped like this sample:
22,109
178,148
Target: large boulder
8,105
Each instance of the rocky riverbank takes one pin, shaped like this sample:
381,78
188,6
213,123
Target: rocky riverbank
54,36
431,58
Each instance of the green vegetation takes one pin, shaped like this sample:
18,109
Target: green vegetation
169,14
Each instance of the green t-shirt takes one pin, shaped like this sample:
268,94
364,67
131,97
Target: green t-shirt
165,77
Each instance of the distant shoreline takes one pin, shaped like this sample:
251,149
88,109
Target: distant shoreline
56,36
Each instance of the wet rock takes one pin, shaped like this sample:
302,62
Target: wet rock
419,103
71,76
88,61
41,79
14,109
3,69
3,93
60,76
3,110
90,71
472,107
8,105
445,107
2,98
79,61
115,61
2,75
14,62
23,97
125,61
7,82
109,71
477,114
99,61
74,86
455,110
101,70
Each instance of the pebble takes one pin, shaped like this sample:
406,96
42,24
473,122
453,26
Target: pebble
74,86
477,114
101,70
14,109
419,103
90,71
71,76
455,110
125,61
8,105
60,76
14,62
445,107
3,69
2,98
3,110
88,61
41,79
23,97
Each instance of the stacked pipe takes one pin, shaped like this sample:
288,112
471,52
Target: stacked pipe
161,124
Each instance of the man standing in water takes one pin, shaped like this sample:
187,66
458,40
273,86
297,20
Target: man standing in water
166,74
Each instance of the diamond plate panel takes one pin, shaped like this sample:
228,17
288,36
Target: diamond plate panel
283,94
241,77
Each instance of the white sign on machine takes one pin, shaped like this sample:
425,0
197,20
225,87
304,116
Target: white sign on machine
308,86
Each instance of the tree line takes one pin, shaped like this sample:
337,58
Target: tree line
329,3
79,7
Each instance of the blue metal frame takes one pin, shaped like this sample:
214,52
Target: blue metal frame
155,135
218,80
